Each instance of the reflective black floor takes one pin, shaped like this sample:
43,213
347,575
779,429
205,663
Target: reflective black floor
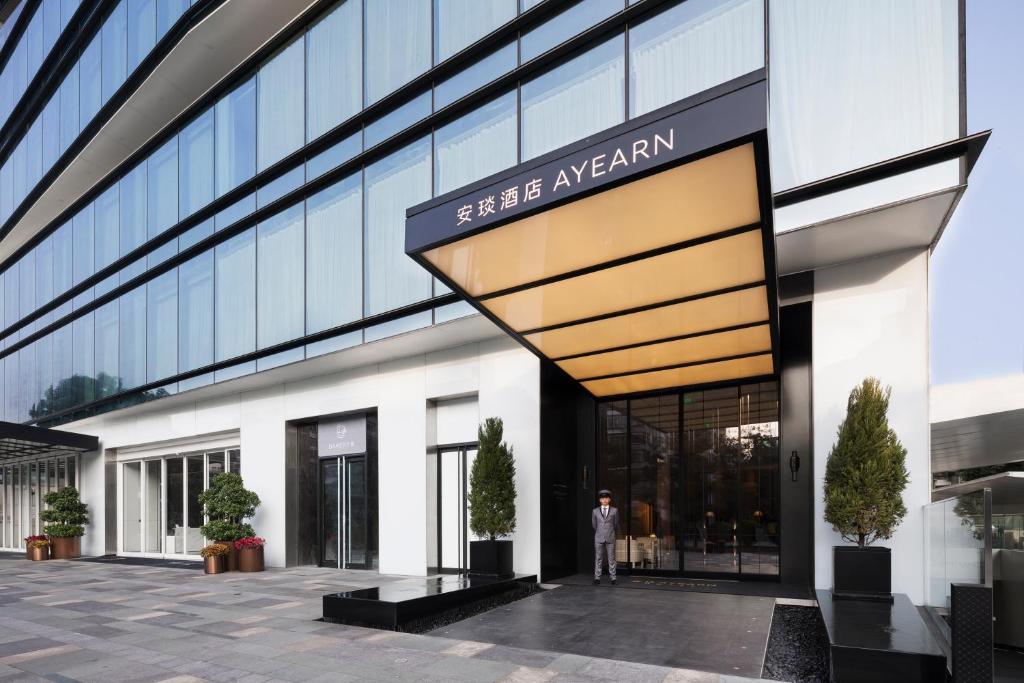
710,632
766,589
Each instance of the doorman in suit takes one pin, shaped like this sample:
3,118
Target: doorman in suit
605,520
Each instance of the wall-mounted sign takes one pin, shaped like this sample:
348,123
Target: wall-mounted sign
343,436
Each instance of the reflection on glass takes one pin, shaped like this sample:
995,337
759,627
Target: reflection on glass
473,147
236,295
459,23
654,483
162,196
153,507
234,461
330,512
194,511
397,120
483,71
355,511
280,264
214,465
195,312
563,26
398,44
236,136
195,170
334,68
281,93
334,268
175,526
162,326
131,507
579,97
132,338
107,336
613,467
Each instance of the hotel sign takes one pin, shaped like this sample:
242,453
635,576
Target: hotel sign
584,169
346,436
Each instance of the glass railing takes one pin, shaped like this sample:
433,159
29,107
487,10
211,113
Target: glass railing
958,542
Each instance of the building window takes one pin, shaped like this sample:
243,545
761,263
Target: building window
133,208
236,295
334,68
132,341
162,326
107,336
195,312
83,244
334,255
459,23
115,50
162,197
281,94
195,170
280,273
480,143
581,96
691,47
236,137
397,44
393,184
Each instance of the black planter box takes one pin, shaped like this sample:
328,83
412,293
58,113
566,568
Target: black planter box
490,558
861,573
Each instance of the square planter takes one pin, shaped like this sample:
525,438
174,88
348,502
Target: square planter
491,559
862,573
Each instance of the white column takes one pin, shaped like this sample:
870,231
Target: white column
870,318
263,465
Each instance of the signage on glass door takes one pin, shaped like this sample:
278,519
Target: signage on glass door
344,436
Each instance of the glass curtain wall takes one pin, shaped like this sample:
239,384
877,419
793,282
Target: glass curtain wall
160,511
23,488
695,476
336,254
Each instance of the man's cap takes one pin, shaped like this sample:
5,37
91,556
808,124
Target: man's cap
604,493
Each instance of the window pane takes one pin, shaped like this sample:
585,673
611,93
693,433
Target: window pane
236,137
236,295
195,312
34,153
12,299
168,12
83,247
397,120
334,271
133,208
51,132
479,74
900,94
393,184
162,197
115,46
132,342
692,47
63,362
195,183
28,283
141,30
280,267
89,71
334,66
162,326
44,272
44,368
107,227
62,259
281,125
107,335
575,99
68,110
480,143
458,23
83,362
561,27
398,44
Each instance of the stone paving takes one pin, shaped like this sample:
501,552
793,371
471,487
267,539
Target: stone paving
81,621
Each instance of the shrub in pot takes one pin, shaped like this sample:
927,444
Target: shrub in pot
37,548
214,557
66,516
250,554
227,504
492,502
864,480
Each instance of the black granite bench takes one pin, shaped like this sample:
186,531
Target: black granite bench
398,603
879,641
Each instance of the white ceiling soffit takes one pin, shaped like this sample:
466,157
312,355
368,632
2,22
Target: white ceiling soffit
207,53
912,223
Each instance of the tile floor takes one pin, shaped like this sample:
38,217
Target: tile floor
82,621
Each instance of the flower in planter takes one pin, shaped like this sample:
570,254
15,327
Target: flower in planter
215,550
249,542
37,542
36,537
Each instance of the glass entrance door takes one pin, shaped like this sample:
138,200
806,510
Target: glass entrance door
344,519
448,507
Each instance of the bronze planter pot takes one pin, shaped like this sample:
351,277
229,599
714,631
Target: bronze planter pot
250,559
37,554
65,548
215,565
231,559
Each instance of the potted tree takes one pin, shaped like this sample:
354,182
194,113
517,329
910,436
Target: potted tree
226,504
37,548
67,516
492,503
864,480
214,557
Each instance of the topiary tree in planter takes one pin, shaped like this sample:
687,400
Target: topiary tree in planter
66,516
864,480
492,501
227,504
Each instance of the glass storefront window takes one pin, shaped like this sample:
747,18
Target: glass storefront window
581,96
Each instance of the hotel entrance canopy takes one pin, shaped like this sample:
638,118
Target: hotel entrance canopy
19,440
639,259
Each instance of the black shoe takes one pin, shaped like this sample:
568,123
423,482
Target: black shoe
597,582
613,582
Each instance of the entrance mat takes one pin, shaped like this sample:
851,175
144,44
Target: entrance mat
144,562
766,589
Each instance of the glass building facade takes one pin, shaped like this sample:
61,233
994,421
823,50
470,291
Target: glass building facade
266,224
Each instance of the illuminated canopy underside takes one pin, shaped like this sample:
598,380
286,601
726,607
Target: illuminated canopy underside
657,283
